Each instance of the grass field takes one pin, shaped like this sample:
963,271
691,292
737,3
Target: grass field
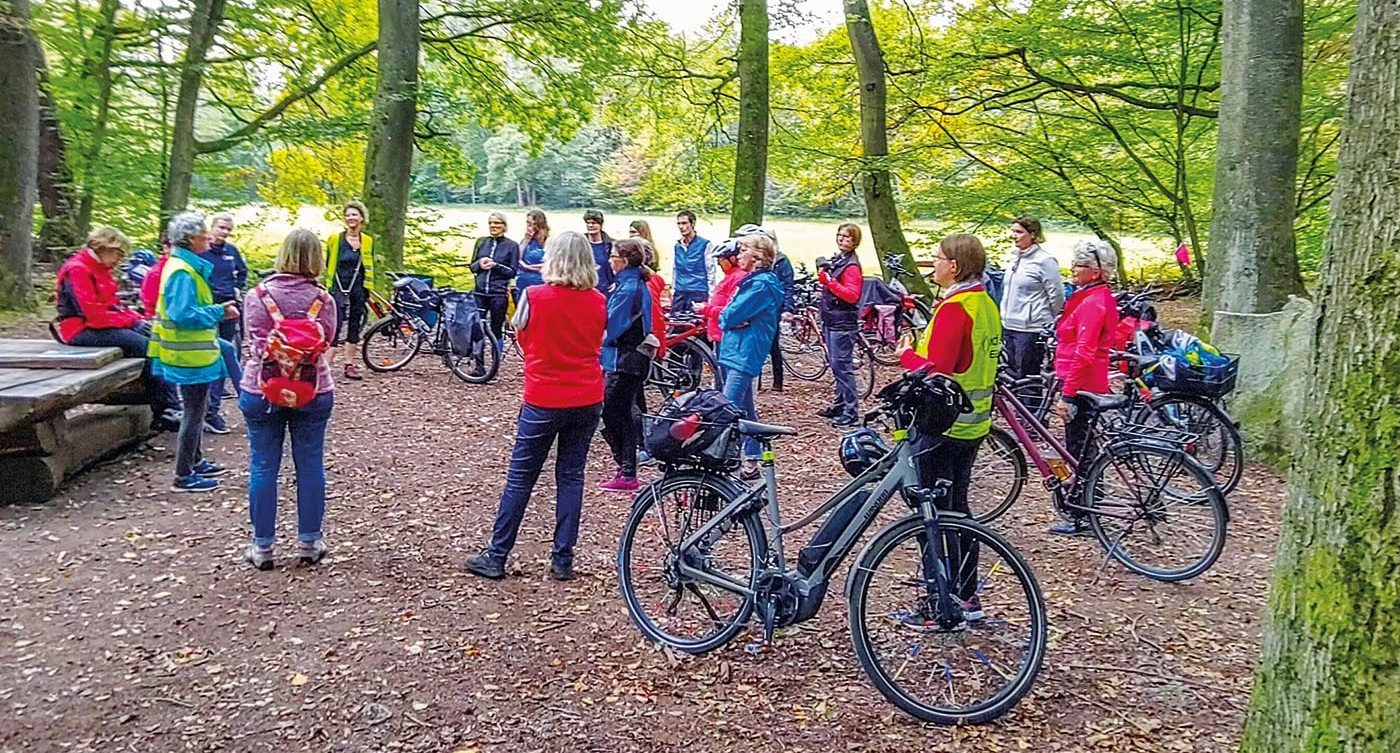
260,231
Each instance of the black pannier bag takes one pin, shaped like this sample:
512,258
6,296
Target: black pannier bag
696,428
462,321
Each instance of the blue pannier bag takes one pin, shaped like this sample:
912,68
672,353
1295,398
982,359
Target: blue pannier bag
462,320
994,281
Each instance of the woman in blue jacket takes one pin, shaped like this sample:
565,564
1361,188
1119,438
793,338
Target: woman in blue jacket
625,368
749,323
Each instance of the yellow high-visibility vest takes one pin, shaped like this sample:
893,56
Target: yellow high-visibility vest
175,346
979,381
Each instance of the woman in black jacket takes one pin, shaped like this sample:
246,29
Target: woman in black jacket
495,261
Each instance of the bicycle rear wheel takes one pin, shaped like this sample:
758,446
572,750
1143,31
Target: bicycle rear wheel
688,365
1217,446
390,344
1156,510
998,476
800,339
908,325
674,609
969,673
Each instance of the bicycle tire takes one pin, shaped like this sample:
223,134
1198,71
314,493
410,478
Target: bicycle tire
389,330
863,368
1025,587
803,353
687,365
1218,447
478,368
999,474
698,494
1141,482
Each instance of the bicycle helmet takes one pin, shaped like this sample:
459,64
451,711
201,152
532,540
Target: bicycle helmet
937,403
726,249
860,449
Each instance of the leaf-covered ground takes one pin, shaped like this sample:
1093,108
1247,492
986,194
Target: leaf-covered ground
133,624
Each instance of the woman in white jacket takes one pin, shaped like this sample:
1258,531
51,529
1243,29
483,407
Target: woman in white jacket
1032,298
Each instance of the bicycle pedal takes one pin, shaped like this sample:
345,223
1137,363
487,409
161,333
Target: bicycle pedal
757,648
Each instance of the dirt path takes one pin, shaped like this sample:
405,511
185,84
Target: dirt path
133,624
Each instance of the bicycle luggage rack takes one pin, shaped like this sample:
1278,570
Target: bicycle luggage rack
1156,434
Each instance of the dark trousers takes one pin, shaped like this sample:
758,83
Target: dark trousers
840,348
232,366
775,354
160,393
640,406
188,449
952,459
534,434
683,301
619,427
1022,352
351,309
493,305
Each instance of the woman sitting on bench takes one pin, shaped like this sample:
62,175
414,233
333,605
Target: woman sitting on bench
91,315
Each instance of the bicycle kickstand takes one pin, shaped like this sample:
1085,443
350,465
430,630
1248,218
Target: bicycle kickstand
768,612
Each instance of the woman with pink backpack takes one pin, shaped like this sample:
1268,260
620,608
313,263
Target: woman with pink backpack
286,389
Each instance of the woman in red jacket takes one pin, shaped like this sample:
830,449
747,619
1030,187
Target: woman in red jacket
91,315
1085,335
560,326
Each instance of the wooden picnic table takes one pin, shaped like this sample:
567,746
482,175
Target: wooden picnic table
40,442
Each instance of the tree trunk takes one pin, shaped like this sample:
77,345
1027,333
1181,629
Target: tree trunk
389,155
751,154
1329,676
19,148
1253,261
60,232
99,69
204,22
880,210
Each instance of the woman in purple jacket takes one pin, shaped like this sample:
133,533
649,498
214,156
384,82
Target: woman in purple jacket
294,289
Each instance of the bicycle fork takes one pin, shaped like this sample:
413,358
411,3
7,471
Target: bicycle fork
943,609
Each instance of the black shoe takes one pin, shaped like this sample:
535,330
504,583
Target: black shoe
844,421
486,566
561,570
831,411
1070,526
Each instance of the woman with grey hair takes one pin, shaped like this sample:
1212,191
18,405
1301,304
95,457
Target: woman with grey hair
560,326
1033,296
495,261
185,346
1085,334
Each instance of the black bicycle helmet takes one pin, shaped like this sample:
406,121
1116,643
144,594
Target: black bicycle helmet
860,449
938,402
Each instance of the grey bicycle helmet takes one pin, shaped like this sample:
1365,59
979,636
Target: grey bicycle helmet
860,449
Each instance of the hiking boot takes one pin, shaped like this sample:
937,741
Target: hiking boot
621,484
561,571
208,469
831,411
214,424
312,552
353,372
194,483
258,556
487,566
1070,526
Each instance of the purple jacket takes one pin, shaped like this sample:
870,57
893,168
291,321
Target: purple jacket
294,295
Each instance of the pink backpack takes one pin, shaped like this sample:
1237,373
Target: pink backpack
294,348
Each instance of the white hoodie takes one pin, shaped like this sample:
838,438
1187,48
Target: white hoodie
1033,294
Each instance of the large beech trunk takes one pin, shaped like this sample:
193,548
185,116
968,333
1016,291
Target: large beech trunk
19,149
751,154
1329,674
389,155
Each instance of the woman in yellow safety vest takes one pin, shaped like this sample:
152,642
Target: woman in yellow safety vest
184,347
963,341
349,276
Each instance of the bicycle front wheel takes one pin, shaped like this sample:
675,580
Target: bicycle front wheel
1156,510
671,607
479,366
390,344
800,339
998,475
1217,446
968,673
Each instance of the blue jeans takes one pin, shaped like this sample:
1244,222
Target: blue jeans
738,387
840,347
234,376
534,434
267,425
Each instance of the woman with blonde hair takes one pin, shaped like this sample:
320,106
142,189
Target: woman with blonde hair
292,293
560,327
349,276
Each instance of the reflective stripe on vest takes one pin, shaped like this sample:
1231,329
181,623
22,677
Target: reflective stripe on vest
979,381
181,347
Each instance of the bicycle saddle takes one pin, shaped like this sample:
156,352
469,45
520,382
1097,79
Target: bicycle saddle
756,429
1103,402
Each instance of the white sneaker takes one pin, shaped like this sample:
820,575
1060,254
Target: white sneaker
258,556
312,551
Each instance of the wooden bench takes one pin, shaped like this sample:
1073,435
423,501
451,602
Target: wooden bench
49,429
